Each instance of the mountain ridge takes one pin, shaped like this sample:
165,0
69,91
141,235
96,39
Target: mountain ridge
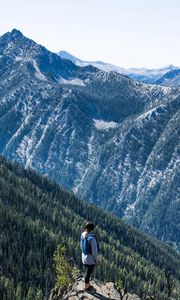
171,78
111,139
142,74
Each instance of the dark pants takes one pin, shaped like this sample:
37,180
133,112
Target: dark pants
88,271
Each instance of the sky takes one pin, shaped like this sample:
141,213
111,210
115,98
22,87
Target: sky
126,33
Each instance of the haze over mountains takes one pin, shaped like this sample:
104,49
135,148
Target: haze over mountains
109,138
167,76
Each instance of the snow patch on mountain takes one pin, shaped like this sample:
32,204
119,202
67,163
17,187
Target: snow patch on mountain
129,210
149,113
103,125
74,81
38,73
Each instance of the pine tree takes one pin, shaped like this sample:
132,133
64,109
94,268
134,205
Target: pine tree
39,295
31,295
65,272
121,289
19,292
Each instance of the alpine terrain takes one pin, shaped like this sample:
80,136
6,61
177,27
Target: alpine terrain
171,78
110,139
152,76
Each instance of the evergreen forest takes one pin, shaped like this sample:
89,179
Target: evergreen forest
36,215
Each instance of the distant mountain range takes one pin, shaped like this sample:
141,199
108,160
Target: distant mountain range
152,76
112,140
171,78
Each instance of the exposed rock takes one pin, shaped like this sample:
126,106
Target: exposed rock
102,291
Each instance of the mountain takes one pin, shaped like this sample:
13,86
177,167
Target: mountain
25,55
110,139
65,55
171,78
141,74
36,215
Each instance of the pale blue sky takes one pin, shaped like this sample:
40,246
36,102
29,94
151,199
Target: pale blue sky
128,33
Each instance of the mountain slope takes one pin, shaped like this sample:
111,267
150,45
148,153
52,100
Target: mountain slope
142,74
172,78
36,215
111,139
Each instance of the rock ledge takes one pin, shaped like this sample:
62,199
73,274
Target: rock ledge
103,292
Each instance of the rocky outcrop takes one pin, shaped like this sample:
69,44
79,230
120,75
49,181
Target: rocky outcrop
102,291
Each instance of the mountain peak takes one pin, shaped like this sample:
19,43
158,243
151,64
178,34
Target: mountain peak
170,67
16,33
65,55
11,36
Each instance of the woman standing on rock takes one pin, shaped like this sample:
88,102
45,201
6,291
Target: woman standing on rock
90,250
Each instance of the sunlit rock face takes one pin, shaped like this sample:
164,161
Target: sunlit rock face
100,291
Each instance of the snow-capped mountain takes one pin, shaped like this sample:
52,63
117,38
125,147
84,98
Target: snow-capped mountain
172,78
142,74
111,139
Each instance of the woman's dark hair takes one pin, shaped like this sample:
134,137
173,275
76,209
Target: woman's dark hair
89,226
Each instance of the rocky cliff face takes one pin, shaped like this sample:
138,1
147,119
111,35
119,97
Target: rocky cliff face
110,139
101,291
